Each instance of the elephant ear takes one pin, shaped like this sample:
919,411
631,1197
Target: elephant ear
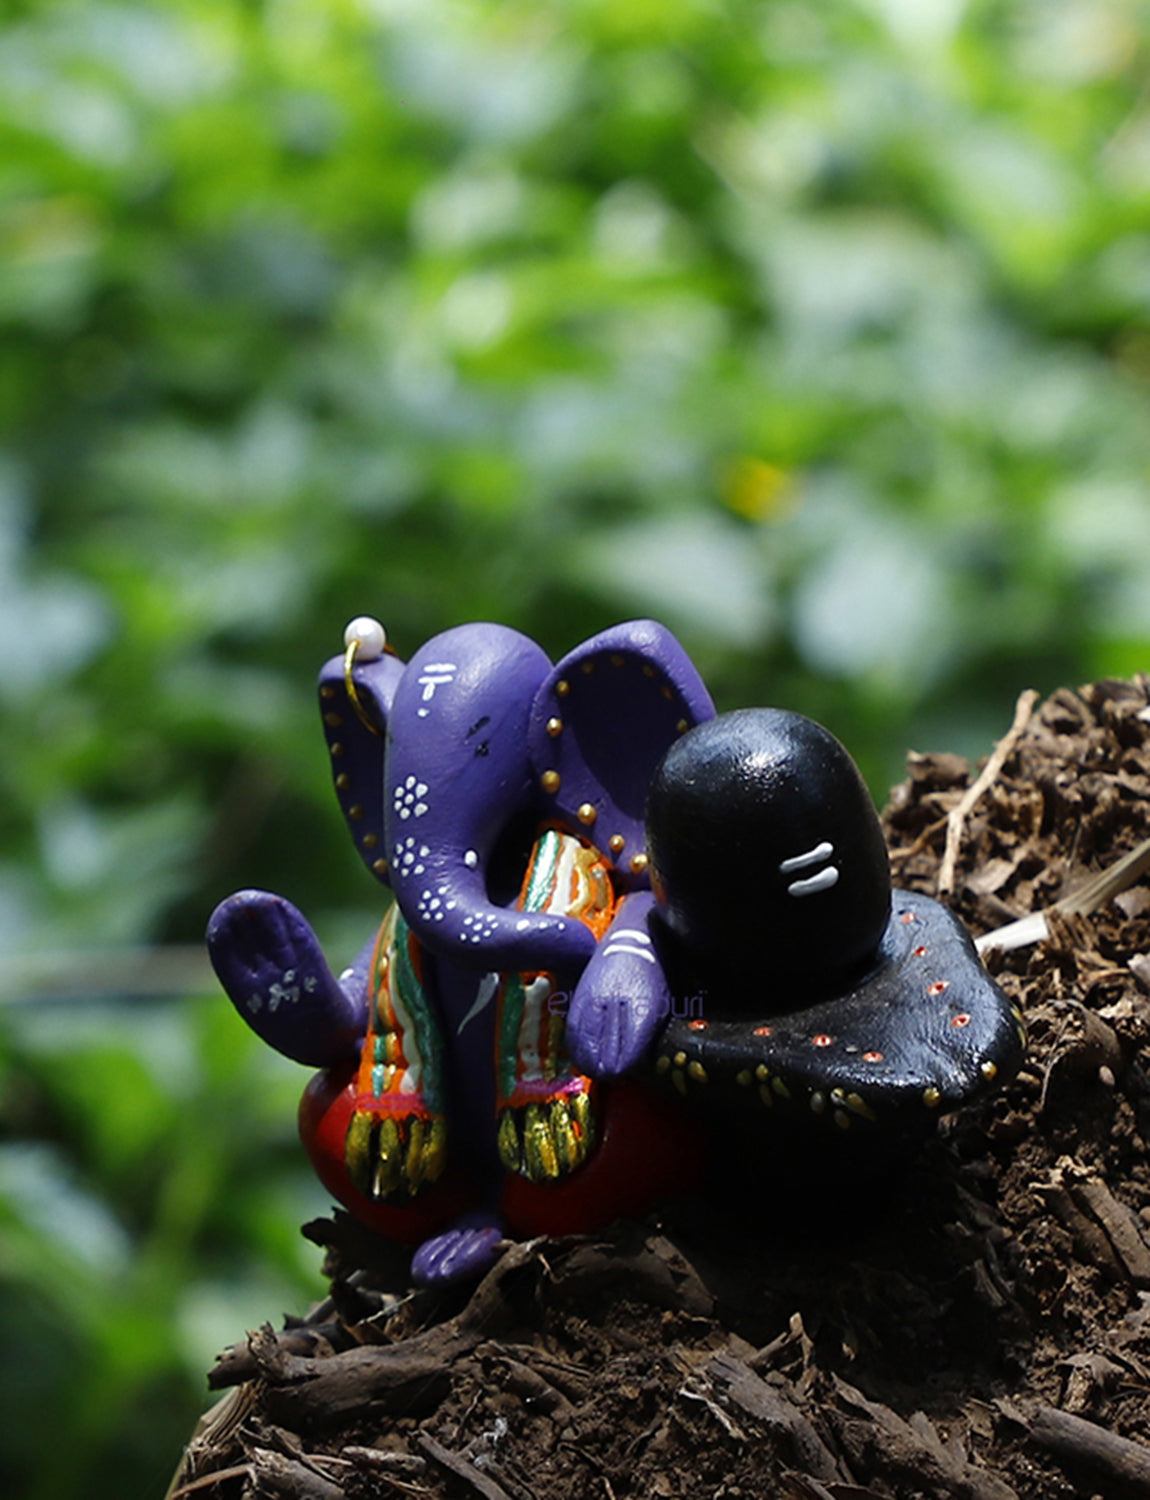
601,723
355,732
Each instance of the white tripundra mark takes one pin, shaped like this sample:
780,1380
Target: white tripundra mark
436,674
616,947
815,883
813,856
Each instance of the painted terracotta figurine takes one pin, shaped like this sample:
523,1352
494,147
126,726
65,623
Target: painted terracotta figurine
609,902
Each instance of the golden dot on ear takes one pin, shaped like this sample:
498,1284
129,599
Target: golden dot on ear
550,781
587,813
554,727
639,863
562,688
615,843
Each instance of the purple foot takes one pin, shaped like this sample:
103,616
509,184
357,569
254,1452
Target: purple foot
270,963
462,1253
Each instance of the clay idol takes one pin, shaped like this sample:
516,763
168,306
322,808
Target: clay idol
608,904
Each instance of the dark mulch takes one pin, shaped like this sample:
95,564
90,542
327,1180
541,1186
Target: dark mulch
972,1323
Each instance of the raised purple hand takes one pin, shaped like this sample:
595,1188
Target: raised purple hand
622,998
270,963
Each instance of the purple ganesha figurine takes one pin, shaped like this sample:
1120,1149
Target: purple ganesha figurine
610,906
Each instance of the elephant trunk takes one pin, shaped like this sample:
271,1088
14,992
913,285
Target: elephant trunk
457,775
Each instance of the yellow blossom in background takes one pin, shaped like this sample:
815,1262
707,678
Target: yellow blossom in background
757,490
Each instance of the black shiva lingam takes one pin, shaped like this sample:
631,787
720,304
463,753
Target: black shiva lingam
815,992
609,904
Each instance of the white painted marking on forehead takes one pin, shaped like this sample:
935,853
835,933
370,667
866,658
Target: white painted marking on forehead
813,856
435,674
815,883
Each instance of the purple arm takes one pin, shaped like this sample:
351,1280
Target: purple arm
622,998
269,962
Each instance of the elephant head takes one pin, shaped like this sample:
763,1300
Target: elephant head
448,767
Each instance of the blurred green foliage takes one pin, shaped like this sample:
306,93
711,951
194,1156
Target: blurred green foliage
819,330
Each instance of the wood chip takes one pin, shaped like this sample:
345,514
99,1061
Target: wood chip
288,1478
1087,1446
1119,1225
762,1401
456,1464
874,1435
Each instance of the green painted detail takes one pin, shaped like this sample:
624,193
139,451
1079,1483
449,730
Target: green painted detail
511,1000
411,1003
543,862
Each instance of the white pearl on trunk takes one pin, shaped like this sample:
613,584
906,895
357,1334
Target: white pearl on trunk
369,636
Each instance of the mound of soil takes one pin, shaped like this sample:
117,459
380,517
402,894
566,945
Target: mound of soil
969,1324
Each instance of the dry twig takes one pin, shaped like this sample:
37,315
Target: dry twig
1087,898
956,819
